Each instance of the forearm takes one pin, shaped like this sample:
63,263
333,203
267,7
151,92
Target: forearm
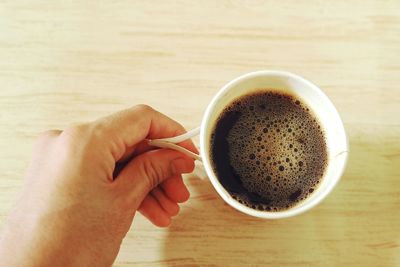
26,241
19,243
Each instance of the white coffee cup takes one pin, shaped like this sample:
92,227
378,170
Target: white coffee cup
311,96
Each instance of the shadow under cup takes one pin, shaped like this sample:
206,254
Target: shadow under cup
318,103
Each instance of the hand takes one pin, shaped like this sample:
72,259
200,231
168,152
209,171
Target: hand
85,184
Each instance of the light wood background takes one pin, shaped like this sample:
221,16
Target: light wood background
63,62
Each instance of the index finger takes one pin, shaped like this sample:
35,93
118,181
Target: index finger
129,127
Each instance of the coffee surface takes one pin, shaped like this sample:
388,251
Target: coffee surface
268,150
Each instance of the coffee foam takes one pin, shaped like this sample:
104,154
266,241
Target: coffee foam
276,148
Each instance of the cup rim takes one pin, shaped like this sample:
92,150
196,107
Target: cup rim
212,176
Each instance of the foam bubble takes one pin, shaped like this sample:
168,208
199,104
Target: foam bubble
271,164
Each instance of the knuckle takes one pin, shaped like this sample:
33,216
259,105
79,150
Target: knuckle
77,130
82,138
74,135
98,130
45,137
49,134
143,108
180,129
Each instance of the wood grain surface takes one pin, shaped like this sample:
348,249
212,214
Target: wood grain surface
63,62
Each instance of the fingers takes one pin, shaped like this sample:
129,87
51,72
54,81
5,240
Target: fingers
158,208
175,189
149,169
151,209
131,126
171,207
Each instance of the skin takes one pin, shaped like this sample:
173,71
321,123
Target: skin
85,184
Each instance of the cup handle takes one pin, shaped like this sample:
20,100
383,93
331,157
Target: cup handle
171,143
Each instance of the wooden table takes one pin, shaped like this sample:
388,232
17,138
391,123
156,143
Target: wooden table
63,62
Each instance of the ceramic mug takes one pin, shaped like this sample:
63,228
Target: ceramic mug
312,97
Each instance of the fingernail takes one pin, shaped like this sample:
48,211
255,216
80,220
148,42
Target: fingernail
179,166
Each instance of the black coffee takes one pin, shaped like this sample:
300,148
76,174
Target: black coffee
268,150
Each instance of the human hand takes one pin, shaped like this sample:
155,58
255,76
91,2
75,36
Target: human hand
85,184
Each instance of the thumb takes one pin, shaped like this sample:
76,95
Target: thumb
149,169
